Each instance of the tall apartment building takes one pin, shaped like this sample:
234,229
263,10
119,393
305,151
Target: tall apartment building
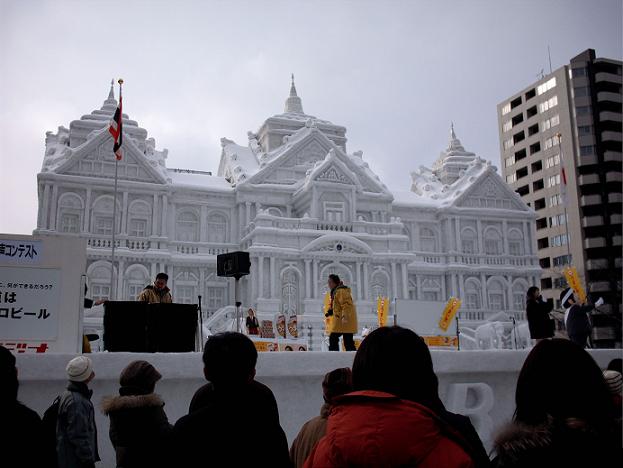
571,119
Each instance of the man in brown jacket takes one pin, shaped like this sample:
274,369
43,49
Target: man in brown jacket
337,382
157,293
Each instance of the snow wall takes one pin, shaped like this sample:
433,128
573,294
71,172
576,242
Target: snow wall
480,384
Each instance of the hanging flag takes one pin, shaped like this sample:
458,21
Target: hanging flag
452,307
573,280
116,127
382,309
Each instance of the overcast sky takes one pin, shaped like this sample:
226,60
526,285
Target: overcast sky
395,73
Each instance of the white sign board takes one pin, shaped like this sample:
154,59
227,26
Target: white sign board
21,252
422,317
29,303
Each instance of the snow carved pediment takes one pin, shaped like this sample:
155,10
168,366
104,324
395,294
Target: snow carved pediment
335,175
490,193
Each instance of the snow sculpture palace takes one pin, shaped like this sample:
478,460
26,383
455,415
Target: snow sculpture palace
302,205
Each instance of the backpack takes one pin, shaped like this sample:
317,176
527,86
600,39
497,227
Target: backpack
50,417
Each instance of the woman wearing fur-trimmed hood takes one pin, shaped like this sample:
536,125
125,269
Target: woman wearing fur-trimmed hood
139,429
564,416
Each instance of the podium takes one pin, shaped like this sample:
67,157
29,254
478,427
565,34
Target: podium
138,327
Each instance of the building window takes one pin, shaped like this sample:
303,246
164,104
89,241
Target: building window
558,220
138,228
70,223
493,242
535,148
217,228
558,241
531,112
530,94
468,241
541,223
583,110
334,212
543,243
185,295
523,190
472,294
187,227
511,178
549,84
216,299
587,150
562,260
507,126
546,105
544,262
551,142
516,102
508,143
428,240
431,288
519,155
546,283
585,129
539,204
506,109
103,225
560,283
555,200
536,166
550,123
575,72
552,161
100,291
554,180
509,161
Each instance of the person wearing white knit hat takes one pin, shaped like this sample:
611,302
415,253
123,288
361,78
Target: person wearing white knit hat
76,434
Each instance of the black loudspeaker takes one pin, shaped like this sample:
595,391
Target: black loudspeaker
233,264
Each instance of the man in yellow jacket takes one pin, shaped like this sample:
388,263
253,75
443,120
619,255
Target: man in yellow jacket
343,315
157,293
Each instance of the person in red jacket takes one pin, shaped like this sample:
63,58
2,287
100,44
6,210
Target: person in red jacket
394,417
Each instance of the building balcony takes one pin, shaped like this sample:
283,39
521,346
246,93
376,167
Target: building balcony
588,200
613,156
616,241
613,177
611,136
594,242
597,264
586,179
606,116
122,242
590,221
599,286
476,259
615,219
609,97
605,76
615,197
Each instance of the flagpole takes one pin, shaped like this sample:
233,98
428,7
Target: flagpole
114,215
566,197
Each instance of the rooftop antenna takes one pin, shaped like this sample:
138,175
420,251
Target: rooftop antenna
540,75
549,56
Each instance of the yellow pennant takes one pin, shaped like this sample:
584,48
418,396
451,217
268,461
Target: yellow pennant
382,309
452,307
573,280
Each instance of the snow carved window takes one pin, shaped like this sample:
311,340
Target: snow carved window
379,285
334,212
217,228
140,217
519,291
497,301
216,299
431,288
70,209
136,278
493,242
515,242
187,227
413,289
289,293
99,282
428,240
472,294
468,241
102,222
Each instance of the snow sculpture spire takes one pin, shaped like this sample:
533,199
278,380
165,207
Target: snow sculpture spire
111,93
455,143
293,103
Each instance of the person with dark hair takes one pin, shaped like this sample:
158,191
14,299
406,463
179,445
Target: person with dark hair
563,415
253,326
577,319
616,365
157,293
540,324
21,432
139,429
343,315
231,402
76,433
337,382
396,395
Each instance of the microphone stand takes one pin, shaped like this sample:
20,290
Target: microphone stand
200,325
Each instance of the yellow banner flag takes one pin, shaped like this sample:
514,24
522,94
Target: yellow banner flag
327,304
573,280
449,312
382,309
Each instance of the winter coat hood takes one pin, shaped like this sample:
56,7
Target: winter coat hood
120,403
571,442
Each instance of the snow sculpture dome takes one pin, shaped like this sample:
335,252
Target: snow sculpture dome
453,161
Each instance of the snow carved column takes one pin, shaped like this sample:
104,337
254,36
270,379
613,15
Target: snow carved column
260,277
87,211
405,281
308,279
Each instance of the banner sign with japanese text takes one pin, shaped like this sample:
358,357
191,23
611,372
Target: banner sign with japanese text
22,252
29,303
